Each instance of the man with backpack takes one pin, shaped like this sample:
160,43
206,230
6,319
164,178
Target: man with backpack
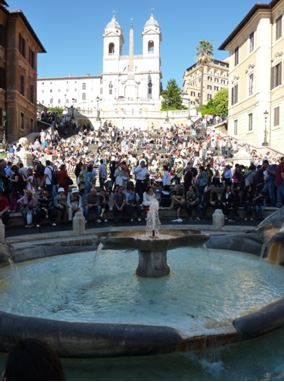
49,177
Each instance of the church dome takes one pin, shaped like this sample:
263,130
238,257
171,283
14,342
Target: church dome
113,24
152,22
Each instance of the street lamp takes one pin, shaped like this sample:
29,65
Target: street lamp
98,108
265,143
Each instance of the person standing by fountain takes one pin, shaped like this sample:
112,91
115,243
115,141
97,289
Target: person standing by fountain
141,174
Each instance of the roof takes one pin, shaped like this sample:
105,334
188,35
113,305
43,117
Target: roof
113,24
29,27
151,22
246,19
214,61
67,78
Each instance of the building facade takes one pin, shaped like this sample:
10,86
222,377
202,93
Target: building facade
212,77
19,46
256,87
128,83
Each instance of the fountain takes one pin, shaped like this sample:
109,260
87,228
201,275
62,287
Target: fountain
101,308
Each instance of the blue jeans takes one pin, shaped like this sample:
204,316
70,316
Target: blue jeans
280,195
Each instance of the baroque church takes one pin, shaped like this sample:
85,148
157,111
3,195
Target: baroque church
132,78
128,87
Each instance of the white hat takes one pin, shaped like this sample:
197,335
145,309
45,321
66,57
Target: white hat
61,189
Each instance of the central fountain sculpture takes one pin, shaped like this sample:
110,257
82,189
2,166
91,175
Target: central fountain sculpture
153,250
152,245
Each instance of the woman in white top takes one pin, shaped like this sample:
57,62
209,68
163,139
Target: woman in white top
148,197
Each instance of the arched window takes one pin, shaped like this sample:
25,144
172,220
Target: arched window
150,89
111,48
151,46
110,86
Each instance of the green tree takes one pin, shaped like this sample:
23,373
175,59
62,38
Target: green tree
218,105
58,110
204,51
172,97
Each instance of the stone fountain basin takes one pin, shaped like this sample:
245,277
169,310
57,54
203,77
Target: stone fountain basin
76,339
164,240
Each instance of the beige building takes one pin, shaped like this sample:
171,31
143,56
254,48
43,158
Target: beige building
256,87
212,77
19,46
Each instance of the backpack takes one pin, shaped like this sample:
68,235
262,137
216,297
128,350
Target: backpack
53,178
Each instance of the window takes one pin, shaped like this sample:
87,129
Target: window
250,89
22,85
209,96
84,96
110,88
2,35
192,94
32,92
84,86
216,88
276,119
234,94
59,101
2,78
111,49
278,27
276,75
50,90
31,124
209,87
151,46
51,101
31,58
22,121
22,45
236,56
251,42
235,127
250,122
150,89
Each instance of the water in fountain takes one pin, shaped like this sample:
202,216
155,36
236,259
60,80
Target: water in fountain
153,222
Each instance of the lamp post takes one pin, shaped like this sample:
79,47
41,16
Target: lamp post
98,108
265,143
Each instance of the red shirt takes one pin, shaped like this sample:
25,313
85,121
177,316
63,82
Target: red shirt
278,178
4,203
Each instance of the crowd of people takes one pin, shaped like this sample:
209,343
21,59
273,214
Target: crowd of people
189,168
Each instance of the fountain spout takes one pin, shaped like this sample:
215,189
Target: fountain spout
153,221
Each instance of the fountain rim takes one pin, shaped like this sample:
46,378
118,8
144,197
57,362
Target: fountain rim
79,339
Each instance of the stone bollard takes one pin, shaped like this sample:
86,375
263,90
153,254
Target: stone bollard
79,223
218,219
2,232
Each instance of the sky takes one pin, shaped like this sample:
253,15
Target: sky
71,30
